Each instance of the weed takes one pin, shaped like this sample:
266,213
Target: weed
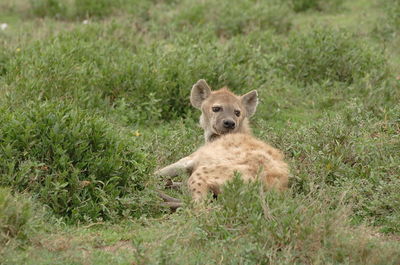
48,8
90,8
304,5
20,217
388,26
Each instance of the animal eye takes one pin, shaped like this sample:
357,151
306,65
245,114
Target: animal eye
237,113
216,109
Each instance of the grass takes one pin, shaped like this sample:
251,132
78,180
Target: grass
90,110
20,218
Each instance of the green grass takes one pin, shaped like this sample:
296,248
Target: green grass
89,110
20,218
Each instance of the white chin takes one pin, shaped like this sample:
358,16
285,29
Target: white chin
215,131
222,132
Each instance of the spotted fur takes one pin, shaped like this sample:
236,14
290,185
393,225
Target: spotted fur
228,151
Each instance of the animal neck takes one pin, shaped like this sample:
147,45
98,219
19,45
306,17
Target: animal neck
211,137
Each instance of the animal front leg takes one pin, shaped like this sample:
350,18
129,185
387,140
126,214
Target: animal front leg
185,164
169,201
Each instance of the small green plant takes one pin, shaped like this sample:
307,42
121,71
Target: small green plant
4,58
94,8
393,11
49,8
389,26
303,5
319,5
19,217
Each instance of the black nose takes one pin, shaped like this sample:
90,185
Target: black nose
229,124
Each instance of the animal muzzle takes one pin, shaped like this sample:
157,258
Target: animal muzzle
229,124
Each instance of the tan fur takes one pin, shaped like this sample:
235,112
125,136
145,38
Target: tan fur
216,162
230,151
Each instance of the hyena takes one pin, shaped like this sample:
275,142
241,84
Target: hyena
230,146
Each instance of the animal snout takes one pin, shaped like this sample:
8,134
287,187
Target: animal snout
229,124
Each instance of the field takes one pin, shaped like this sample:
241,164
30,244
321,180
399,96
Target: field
94,97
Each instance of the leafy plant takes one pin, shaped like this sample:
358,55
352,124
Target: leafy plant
49,8
94,8
74,162
319,5
19,217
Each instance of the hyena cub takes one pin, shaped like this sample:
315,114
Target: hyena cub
229,147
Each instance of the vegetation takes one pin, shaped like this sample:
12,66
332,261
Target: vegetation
78,165
20,218
94,97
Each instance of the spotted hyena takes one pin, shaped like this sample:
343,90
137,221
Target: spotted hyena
230,146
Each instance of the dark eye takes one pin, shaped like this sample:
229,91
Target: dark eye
216,109
237,113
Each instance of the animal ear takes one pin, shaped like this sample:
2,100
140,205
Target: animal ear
200,91
250,101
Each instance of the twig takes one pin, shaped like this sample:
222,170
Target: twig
173,205
167,198
93,224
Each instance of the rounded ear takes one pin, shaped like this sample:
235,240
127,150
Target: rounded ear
200,91
250,101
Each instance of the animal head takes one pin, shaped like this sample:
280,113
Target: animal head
222,111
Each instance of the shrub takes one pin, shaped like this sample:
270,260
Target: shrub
48,8
19,217
389,25
94,8
81,9
4,58
225,19
393,11
330,55
286,229
76,163
94,73
349,153
166,16
142,82
304,5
